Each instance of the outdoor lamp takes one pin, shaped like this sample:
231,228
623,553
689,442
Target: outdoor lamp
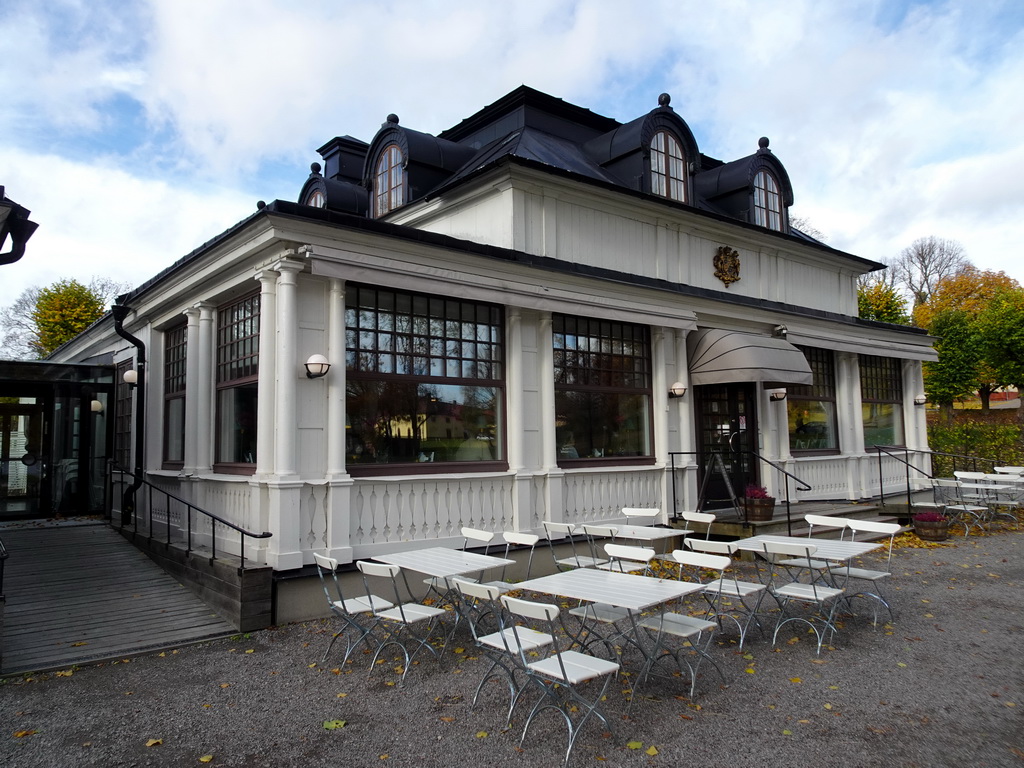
677,390
775,395
317,366
131,377
96,406
920,400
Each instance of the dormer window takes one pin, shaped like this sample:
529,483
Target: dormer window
767,201
389,181
316,199
668,167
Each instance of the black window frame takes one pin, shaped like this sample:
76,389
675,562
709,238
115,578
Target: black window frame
175,356
881,384
821,390
237,376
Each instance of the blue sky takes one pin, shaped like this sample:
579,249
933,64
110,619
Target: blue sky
135,131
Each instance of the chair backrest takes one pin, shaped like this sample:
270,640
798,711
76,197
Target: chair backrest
529,609
711,546
701,560
475,590
476,535
972,477
640,513
947,491
777,551
481,599
624,554
700,518
565,529
825,521
1009,470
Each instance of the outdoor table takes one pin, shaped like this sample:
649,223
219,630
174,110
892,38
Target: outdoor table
619,590
838,550
443,563
648,532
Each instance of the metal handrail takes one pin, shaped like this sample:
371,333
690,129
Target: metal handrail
3,556
190,507
801,484
893,451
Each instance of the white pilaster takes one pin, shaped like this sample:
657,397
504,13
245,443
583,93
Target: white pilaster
515,417
287,368
193,392
265,403
204,393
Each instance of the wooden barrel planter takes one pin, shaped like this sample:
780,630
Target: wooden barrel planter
932,530
759,510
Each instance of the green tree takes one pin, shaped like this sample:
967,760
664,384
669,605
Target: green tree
1001,331
878,301
954,375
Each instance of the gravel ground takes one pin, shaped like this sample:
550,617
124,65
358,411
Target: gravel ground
941,685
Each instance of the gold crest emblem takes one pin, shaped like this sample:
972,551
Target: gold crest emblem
727,265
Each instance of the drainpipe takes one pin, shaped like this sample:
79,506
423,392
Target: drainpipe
120,312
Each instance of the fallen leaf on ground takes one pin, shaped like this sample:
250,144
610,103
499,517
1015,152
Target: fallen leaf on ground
23,734
206,759
154,742
331,725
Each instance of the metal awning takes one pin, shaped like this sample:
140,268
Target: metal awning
721,357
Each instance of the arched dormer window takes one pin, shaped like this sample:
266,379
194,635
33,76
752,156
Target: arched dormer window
767,201
389,181
316,198
668,167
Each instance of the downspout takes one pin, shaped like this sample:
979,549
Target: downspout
120,312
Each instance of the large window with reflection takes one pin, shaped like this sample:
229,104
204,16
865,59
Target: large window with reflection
668,167
767,201
881,394
425,381
175,344
602,389
238,357
812,407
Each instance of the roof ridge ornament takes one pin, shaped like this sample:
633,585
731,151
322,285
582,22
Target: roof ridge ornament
762,144
664,100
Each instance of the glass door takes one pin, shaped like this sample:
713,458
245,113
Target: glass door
726,434
23,462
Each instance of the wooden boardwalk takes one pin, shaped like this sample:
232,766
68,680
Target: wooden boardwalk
81,593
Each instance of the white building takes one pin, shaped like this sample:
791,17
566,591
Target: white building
505,308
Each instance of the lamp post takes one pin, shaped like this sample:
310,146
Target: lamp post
14,223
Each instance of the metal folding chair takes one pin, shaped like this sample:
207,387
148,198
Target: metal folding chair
727,596
406,625
352,611
566,531
848,573
504,646
820,600
562,676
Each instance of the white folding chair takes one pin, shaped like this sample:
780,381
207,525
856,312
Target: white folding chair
566,531
405,624
820,600
818,567
678,636
706,519
521,540
727,596
352,611
562,676
874,577
504,646
470,537
955,507
596,535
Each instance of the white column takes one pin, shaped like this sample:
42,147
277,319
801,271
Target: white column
546,377
206,429
193,392
287,368
685,481
659,396
515,418
849,413
265,405
336,408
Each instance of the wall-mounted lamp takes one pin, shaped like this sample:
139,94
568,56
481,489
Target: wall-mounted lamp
780,331
317,366
96,406
775,395
131,377
920,400
677,390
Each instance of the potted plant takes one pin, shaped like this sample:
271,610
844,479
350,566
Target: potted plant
931,526
759,505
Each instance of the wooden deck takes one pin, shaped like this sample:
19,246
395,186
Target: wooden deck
81,593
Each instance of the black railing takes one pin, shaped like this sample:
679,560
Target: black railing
903,455
3,558
185,530
715,458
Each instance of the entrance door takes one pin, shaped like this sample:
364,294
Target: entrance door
727,428
22,459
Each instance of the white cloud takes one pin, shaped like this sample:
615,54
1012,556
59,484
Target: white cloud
892,126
